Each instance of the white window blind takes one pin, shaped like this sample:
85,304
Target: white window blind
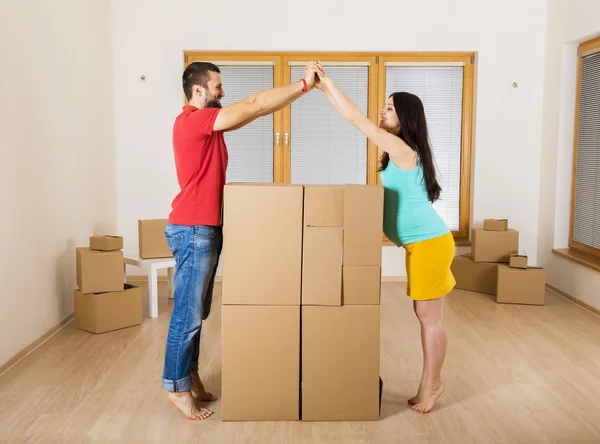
325,149
440,89
586,227
251,147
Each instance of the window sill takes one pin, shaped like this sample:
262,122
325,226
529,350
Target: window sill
587,260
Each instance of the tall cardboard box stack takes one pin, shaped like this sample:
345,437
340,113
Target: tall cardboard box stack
301,291
262,266
495,267
340,302
102,301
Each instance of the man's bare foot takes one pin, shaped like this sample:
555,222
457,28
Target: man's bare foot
198,389
186,405
428,398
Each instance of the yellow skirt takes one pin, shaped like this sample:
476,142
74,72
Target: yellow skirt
428,268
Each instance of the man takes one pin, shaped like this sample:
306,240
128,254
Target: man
194,230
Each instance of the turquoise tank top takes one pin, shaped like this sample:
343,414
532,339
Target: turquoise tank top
408,215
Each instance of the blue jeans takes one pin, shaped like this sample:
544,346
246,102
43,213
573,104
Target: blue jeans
196,250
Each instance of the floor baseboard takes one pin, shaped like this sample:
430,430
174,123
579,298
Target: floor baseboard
35,344
572,299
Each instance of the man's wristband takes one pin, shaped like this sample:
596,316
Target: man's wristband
305,87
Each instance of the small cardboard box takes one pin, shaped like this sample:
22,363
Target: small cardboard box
260,363
518,286
340,363
495,224
363,225
322,266
494,246
152,240
481,277
518,261
102,312
324,206
99,271
262,245
361,285
106,243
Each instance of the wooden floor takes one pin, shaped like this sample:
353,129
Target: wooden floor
515,374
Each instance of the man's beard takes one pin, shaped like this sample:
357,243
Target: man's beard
213,102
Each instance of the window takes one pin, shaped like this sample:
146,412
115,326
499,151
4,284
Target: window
308,142
585,208
327,149
319,145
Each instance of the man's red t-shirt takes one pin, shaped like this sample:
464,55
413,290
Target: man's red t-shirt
201,163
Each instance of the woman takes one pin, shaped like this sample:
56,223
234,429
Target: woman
408,176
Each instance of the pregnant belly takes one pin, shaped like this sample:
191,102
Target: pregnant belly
417,221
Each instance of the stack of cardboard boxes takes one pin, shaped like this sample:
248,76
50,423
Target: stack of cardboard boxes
341,280
103,302
494,266
262,259
301,291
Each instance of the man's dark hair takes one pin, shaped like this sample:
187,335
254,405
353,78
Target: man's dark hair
197,73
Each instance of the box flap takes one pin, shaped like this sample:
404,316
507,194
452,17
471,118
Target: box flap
324,206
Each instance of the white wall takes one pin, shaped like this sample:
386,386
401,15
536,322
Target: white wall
57,157
509,37
569,23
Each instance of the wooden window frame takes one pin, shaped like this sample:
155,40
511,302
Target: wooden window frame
583,50
376,101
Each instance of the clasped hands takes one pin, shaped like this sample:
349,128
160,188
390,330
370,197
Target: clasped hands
314,76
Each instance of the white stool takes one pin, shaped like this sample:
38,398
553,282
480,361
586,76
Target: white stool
153,265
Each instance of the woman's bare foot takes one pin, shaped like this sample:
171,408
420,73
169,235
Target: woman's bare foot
428,398
415,399
198,389
186,405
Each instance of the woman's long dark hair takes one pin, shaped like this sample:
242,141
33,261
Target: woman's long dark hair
413,131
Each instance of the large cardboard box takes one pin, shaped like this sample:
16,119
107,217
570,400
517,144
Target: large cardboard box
481,277
152,240
260,363
361,285
99,271
106,243
102,312
340,363
324,205
518,286
322,266
494,246
363,225
262,251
